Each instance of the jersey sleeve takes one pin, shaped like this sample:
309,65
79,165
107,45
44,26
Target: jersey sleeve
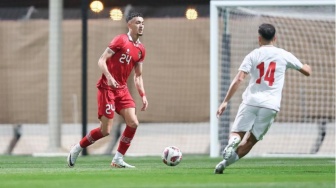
293,62
247,63
117,43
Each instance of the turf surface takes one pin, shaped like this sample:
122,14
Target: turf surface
193,172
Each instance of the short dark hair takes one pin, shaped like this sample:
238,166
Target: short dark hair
267,31
132,15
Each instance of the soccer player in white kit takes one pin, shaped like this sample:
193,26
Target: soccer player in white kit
266,66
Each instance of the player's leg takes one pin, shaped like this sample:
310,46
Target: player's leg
89,139
229,153
234,140
246,146
132,123
115,133
125,106
263,120
105,115
242,124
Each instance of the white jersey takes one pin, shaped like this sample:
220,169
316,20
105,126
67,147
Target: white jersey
267,66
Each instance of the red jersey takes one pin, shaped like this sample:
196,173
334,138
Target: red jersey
127,54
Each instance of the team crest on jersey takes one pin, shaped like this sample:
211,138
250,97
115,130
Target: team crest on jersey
139,54
127,51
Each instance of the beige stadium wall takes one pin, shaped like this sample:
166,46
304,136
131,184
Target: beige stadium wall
176,69
23,71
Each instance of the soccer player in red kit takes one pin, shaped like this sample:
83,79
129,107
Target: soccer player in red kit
124,53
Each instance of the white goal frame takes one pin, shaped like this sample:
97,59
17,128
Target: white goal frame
214,100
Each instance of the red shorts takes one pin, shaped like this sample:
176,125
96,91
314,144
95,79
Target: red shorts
110,101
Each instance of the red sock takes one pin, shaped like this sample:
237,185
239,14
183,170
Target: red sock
126,138
90,138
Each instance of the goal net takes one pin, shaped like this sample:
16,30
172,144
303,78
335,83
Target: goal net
305,123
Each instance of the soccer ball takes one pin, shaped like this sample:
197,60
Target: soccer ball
171,156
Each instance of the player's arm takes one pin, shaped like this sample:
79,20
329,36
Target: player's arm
138,81
103,67
306,70
296,64
239,78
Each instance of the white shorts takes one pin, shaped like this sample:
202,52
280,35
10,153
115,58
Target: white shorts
253,119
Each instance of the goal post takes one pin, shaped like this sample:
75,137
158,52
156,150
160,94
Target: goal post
233,26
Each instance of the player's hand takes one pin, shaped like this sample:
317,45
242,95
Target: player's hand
221,109
144,103
112,83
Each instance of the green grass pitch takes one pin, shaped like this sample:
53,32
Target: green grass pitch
194,171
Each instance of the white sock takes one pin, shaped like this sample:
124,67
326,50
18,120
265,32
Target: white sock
235,138
234,157
77,148
118,155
